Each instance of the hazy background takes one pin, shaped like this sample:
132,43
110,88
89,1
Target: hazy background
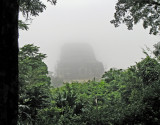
87,21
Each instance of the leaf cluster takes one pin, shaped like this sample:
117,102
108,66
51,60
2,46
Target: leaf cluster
131,12
30,8
33,84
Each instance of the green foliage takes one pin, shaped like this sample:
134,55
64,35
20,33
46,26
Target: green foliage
34,84
56,81
30,8
124,97
33,7
156,52
32,69
130,96
22,25
131,12
149,70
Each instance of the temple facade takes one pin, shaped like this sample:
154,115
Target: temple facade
78,63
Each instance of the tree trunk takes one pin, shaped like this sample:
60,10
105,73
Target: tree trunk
8,62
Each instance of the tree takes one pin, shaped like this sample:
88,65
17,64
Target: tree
34,83
32,69
9,62
148,70
128,96
131,12
30,8
156,51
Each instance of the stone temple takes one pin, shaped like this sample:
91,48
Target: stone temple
78,63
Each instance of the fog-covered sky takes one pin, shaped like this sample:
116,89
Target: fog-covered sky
87,21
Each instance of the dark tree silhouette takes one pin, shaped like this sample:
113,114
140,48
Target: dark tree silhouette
8,62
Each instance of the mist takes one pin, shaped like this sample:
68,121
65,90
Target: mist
78,63
86,21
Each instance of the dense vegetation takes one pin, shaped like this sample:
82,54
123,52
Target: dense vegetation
130,96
